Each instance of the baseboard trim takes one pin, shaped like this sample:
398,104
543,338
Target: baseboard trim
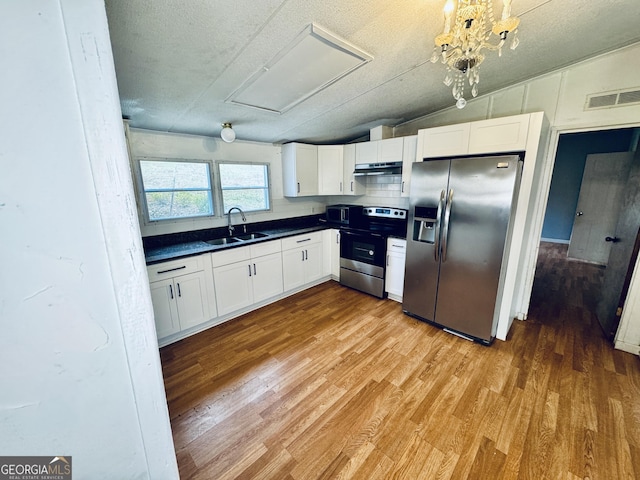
628,347
554,240
163,342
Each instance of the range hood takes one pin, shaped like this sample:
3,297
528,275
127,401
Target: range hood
387,168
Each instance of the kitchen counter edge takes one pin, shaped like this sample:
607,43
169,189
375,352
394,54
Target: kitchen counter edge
190,249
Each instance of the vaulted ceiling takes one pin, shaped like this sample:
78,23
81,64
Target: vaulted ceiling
179,62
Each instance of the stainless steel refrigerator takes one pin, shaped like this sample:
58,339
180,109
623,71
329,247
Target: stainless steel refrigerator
459,219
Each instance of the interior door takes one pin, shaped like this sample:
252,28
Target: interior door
624,254
603,182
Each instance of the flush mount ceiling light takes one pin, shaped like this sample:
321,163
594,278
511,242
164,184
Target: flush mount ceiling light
460,46
227,134
314,60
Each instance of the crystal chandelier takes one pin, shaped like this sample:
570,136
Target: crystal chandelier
460,46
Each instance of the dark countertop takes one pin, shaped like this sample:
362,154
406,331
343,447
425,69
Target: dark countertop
163,248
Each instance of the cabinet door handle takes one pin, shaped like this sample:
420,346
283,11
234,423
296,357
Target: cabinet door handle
249,269
171,270
306,255
171,291
179,292
340,186
387,260
338,238
254,269
302,255
303,240
352,185
402,189
298,187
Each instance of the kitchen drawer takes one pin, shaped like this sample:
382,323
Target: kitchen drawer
301,240
265,248
232,255
161,271
396,245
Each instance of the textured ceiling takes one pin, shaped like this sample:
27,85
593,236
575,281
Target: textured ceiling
177,62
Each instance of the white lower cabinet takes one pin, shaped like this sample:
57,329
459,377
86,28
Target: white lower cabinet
334,251
331,253
267,276
302,259
394,279
165,309
180,292
207,289
247,275
233,286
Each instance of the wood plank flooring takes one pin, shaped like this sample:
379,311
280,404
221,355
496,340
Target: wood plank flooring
333,383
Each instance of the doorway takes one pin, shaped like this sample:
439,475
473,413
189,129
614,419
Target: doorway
559,224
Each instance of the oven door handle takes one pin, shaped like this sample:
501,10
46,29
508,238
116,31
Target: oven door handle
436,251
360,234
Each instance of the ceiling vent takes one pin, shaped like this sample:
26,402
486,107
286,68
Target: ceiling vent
613,99
313,61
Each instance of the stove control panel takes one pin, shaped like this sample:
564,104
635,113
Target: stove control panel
385,212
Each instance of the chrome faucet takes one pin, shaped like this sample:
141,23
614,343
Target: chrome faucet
229,226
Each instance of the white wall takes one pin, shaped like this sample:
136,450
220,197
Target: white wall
562,96
80,372
380,190
147,143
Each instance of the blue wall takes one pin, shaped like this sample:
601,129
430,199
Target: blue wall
571,157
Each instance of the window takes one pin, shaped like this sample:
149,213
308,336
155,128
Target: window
175,189
244,185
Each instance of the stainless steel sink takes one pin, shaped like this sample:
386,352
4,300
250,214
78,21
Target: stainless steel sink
223,241
236,238
251,236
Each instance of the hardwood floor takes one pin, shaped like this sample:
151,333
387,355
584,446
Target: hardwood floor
333,383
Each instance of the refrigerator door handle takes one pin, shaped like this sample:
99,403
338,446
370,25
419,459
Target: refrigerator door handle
445,229
436,250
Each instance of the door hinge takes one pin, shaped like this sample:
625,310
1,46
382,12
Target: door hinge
619,312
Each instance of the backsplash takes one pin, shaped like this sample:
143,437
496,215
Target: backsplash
384,186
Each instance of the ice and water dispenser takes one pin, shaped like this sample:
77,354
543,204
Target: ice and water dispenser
425,224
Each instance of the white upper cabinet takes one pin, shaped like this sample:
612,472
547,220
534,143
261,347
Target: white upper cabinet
507,134
352,185
450,140
330,170
496,135
408,157
390,149
367,152
300,169
380,151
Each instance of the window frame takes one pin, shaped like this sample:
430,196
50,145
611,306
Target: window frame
268,186
142,197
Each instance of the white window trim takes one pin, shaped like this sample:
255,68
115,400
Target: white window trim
142,198
239,162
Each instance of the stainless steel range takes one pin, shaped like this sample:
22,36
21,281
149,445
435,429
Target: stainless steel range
363,246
